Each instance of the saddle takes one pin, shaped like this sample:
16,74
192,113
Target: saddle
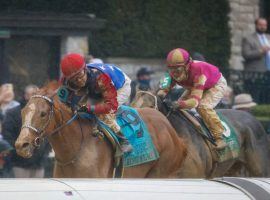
199,124
135,130
229,136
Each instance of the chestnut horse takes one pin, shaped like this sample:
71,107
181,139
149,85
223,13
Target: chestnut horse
254,146
78,153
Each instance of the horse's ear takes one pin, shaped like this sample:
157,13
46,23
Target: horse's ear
52,93
38,90
50,89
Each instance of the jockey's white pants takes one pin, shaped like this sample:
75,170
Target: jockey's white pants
210,99
123,93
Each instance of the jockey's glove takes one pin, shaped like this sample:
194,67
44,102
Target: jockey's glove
83,108
175,106
86,108
162,94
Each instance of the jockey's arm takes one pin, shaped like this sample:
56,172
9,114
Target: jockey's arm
185,95
109,94
196,93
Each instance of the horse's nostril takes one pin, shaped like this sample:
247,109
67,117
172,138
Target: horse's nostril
25,145
37,141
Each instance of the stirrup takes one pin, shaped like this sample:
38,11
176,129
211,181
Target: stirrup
125,146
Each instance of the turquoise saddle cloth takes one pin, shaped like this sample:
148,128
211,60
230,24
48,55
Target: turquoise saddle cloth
135,130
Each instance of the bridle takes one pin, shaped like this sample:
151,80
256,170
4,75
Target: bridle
40,132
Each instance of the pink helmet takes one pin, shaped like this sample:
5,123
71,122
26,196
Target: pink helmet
178,57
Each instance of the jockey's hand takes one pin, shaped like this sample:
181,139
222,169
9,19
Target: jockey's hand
175,106
83,108
162,94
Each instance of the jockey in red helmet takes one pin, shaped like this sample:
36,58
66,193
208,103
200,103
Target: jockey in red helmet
205,86
104,82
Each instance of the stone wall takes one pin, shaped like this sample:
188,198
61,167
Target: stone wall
74,44
242,16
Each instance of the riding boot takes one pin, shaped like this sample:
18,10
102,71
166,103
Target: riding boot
124,143
109,119
213,123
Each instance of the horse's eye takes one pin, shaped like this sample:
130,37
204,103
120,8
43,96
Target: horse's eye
43,114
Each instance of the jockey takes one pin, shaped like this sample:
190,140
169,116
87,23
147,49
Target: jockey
205,87
97,80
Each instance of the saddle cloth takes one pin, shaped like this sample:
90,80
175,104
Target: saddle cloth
229,136
135,130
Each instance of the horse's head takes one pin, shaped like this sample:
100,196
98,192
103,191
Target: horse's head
37,119
147,99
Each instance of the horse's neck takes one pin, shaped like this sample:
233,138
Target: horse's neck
76,143
66,142
183,127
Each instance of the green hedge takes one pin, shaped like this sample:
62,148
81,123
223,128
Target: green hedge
152,28
262,111
139,28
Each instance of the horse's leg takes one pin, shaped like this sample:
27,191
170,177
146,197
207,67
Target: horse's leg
255,154
253,140
238,169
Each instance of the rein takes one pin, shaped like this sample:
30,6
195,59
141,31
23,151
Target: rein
41,132
36,130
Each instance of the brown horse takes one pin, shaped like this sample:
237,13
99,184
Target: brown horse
80,154
254,153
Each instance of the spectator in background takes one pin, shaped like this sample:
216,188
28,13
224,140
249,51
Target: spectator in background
5,149
142,82
243,102
256,48
198,56
91,59
7,98
23,168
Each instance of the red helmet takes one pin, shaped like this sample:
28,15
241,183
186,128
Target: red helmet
71,64
178,57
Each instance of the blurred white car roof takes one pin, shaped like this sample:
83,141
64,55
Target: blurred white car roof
111,189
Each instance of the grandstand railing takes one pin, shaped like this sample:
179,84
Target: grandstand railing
255,83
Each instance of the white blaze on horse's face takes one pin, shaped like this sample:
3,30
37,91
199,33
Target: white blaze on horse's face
23,143
34,114
29,116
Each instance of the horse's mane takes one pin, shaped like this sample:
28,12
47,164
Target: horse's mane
49,89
